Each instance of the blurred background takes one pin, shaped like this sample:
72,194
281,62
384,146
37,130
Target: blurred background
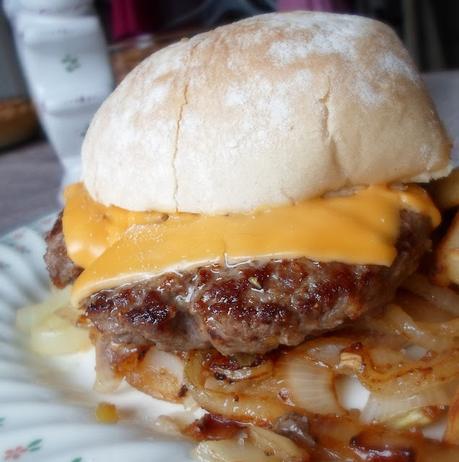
59,59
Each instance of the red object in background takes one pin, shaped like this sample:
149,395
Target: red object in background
132,17
311,5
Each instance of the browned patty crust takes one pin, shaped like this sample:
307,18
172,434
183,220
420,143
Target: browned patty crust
252,307
61,269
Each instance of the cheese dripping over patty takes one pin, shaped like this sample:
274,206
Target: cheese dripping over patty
116,246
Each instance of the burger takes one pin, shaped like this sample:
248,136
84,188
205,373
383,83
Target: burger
250,188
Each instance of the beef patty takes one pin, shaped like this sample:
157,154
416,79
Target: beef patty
251,307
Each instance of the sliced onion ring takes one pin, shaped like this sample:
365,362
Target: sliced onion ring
310,386
242,406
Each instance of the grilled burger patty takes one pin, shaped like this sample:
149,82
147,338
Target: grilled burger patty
252,307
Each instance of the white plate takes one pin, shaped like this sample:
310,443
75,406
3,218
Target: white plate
47,405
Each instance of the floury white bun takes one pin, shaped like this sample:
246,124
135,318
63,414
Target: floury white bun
266,111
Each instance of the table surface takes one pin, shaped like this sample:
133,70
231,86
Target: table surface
30,175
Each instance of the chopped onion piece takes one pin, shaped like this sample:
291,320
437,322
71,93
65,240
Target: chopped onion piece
167,426
444,298
251,403
383,408
277,445
310,386
326,350
295,427
452,424
32,315
417,418
384,357
174,424
263,370
421,309
230,451
406,377
349,362
417,333
159,374
50,326
107,380
57,336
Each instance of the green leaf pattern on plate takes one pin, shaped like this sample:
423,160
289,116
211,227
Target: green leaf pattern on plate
35,445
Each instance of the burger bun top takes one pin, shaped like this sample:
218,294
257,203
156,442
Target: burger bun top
266,111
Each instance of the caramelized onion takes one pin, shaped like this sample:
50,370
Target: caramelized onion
263,370
427,335
57,336
345,439
296,427
309,385
444,298
51,326
107,380
159,374
30,316
380,444
262,445
213,427
277,445
231,451
421,309
407,376
248,404
382,408
326,350
174,424
452,425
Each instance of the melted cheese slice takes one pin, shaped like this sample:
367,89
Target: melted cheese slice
116,246
90,228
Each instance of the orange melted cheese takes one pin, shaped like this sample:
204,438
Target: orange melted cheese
116,246
90,228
